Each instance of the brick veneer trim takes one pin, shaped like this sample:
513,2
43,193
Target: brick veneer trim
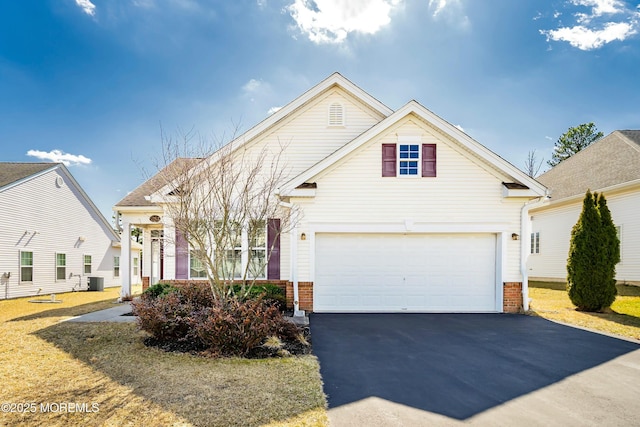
512,297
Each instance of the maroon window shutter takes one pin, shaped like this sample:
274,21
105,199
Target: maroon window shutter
182,256
388,159
428,159
273,245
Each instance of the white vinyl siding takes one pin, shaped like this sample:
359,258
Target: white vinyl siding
306,135
556,222
42,227
466,196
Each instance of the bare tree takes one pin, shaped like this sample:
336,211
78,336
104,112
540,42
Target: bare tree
220,199
532,165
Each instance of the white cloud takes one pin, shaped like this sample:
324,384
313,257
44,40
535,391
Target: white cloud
452,11
601,7
597,27
439,5
460,128
58,156
587,39
87,7
331,21
251,86
273,110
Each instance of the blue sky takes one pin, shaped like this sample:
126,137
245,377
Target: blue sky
92,82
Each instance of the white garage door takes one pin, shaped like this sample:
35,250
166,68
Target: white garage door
395,272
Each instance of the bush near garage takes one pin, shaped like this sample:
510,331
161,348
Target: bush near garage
186,317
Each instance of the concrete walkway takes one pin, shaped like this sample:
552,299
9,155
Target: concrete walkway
114,314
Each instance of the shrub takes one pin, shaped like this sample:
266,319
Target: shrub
185,317
158,289
235,327
270,293
593,253
167,319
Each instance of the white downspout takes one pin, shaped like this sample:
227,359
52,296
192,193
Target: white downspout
293,258
525,242
294,273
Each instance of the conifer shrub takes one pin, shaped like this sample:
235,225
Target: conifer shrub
594,252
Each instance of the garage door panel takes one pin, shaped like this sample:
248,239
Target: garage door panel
394,272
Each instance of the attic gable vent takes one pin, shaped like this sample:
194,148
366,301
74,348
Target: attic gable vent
336,114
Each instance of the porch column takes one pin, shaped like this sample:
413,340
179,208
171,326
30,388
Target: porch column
125,260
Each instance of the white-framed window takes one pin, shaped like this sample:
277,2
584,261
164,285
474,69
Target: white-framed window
246,251
136,266
409,160
61,266
336,114
258,250
231,265
535,242
116,266
26,266
197,269
86,261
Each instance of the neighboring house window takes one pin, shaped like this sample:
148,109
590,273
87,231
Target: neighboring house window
61,266
196,267
116,266
136,265
26,266
535,242
258,250
87,264
409,160
336,114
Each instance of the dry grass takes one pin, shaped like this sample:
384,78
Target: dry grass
550,300
45,361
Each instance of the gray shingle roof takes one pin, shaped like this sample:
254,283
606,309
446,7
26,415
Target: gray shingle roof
11,172
614,159
153,184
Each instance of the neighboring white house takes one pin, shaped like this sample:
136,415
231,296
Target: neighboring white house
53,236
610,166
400,210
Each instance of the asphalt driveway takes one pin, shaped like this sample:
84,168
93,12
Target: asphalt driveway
448,369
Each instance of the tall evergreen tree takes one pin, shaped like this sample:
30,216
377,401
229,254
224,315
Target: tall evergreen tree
611,240
573,140
593,253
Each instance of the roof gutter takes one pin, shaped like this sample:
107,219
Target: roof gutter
525,242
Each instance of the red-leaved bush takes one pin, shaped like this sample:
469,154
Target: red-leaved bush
187,318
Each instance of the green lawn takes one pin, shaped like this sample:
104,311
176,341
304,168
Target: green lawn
550,300
44,361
